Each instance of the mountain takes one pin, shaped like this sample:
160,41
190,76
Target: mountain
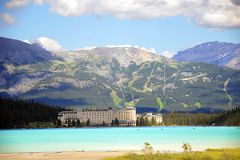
234,62
16,53
124,55
123,76
218,53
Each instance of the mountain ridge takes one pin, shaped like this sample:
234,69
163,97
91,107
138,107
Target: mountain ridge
131,54
112,77
218,53
19,52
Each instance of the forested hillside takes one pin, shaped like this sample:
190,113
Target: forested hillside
28,114
20,113
218,53
227,118
119,76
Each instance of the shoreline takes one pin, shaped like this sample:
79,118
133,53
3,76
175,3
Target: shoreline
93,127
88,155
63,155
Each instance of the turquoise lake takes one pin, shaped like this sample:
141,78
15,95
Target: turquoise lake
111,139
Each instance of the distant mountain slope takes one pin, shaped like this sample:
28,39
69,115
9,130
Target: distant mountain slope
218,53
234,62
123,76
14,53
17,52
124,55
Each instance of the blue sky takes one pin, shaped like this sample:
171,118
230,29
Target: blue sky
172,33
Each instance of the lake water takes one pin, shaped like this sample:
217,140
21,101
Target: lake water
110,139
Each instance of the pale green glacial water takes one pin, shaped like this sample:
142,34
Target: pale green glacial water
110,139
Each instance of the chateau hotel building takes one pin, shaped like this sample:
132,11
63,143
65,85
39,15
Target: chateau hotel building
125,116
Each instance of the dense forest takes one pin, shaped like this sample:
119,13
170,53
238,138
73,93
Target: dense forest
199,119
227,118
27,114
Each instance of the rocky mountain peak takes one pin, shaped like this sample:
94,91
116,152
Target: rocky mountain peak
218,53
124,55
18,52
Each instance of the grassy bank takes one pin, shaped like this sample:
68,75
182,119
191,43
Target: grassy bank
210,154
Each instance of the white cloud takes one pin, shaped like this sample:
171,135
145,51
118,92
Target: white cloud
21,3
7,18
52,45
49,44
167,54
17,3
208,13
152,50
46,43
121,45
86,48
216,14
27,41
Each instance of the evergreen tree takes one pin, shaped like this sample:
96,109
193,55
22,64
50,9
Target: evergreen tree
138,122
59,123
153,122
20,113
88,122
116,122
142,122
69,123
73,123
146,122
78,123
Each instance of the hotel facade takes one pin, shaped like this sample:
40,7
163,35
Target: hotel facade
157,117
124,116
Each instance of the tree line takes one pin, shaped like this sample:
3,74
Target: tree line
227,118
141,121
21,113
77,123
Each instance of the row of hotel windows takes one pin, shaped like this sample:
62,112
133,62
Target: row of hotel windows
97,113
100,115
